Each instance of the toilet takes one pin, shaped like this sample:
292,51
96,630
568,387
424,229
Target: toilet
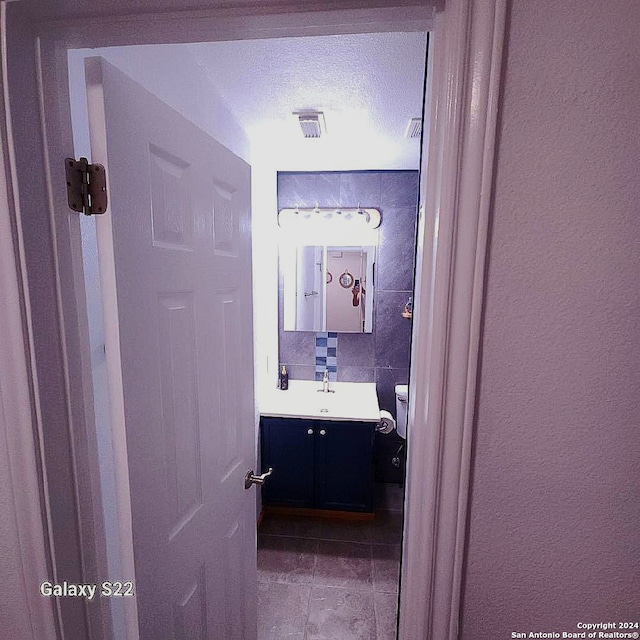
402,394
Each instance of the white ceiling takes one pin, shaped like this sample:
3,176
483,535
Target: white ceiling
367,85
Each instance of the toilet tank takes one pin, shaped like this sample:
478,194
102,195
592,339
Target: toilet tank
402,394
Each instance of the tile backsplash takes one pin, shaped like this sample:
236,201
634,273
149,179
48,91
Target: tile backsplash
383,355
327,355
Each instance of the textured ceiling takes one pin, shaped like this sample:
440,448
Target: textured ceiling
367,85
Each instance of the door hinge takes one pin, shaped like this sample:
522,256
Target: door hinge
86,186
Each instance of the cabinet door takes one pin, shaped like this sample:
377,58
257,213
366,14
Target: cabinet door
344,465
287,446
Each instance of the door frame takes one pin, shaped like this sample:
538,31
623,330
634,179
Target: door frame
456,184
24,540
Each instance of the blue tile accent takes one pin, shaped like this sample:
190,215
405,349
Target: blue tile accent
332,334
332,352
320,361
321,342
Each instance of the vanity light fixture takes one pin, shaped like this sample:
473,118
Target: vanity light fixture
353,216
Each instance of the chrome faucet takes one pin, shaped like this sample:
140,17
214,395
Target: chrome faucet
325,383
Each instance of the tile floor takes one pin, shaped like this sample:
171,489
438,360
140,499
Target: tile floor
330,580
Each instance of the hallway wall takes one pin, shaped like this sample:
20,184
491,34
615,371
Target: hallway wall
554,512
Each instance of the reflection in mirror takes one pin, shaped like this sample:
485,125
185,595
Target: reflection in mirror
328,288
309,290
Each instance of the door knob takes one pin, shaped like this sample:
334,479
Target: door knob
310,432
250,478
323,432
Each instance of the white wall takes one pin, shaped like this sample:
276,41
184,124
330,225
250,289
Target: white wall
555,504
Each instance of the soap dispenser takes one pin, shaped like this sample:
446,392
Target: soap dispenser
284,379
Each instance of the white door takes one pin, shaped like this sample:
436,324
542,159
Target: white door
180,226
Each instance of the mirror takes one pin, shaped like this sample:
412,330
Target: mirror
328,288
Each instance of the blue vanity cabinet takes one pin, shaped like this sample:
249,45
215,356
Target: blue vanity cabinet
287,445
344,466
320,464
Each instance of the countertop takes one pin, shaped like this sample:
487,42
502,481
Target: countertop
357,401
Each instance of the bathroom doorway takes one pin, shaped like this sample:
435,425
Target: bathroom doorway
463,105
369,552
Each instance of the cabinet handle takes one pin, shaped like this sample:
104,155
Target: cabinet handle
310,432
323,432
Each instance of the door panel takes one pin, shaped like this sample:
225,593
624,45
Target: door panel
190,612
180,207
288,447
344,465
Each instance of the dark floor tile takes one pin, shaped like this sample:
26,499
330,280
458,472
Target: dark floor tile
309,528
389,496
386,612
386,567
346,530
387,527
282,610
283,559
341,614
277,525
344,564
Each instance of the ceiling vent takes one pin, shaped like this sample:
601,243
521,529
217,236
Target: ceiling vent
311,123
414,130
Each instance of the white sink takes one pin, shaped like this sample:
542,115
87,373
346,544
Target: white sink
348,401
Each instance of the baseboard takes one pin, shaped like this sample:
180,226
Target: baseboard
326,514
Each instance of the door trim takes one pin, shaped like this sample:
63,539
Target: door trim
468,41
109,299
25,539
464,92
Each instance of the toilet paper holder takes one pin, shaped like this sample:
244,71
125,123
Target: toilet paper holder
387,423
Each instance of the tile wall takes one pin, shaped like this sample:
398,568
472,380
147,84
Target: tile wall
383,355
